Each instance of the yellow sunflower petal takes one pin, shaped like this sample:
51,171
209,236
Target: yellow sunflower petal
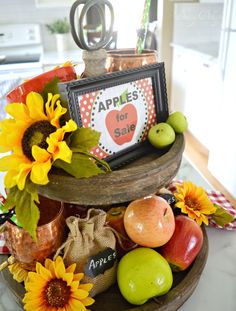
58,260
70,308
19,274
197,213
68,277
60,270
45,273
87,286
50,105
204,219
78,276
70,126
57,136
35,104
59,111
40,154
48,263
180,204
30,306
32,295
76,305
9,179
54,113
51,267
74,285
88,301
11,161
24,170
12,133
18,111
63,152
39,172
79,294
36,283
71,268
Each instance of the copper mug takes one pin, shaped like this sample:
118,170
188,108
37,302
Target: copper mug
50,235
124,59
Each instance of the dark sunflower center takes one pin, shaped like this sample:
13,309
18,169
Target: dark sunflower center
36,134
192,203
57,293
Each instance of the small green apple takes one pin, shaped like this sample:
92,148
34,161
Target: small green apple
161,135
142,274
178,121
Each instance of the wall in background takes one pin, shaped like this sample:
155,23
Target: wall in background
25,11
197,23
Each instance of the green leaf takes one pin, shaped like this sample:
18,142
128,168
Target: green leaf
11,199
50,87
103,163
123,98
221,216
84,138
81,166
32,189
24,201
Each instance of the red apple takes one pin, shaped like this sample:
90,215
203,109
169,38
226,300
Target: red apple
115,220
149,221
184,245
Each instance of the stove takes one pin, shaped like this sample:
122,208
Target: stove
20,50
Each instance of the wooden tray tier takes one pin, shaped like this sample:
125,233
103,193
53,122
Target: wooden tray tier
184,285
138,179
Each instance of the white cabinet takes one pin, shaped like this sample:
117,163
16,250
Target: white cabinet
178,80
53,3
211,1
195,92
198,1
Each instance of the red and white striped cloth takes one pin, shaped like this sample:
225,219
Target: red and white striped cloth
216,197
3,247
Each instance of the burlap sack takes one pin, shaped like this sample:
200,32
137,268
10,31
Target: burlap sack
87,237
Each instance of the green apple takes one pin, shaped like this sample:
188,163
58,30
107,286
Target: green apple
142,274
178,121
161,135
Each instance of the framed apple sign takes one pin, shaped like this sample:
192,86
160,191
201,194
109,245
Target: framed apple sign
122,106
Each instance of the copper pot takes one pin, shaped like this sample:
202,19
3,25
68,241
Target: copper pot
124,59
50,235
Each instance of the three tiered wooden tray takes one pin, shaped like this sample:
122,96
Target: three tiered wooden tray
142,177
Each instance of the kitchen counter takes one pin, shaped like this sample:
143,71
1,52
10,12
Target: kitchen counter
217,286
57,58
54,58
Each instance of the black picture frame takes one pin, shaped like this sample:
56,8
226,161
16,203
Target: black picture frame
92,97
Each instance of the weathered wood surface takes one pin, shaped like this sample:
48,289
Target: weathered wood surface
184,285
143,177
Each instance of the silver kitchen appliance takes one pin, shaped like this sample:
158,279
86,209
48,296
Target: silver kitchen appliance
21,52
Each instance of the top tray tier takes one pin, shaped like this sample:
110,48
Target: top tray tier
138,179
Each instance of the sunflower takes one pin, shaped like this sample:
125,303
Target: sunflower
35,138
193,200
53,287
18,273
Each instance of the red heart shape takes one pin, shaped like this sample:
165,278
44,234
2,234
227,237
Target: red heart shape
121,124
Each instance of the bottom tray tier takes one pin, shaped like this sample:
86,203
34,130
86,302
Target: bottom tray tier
184,285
